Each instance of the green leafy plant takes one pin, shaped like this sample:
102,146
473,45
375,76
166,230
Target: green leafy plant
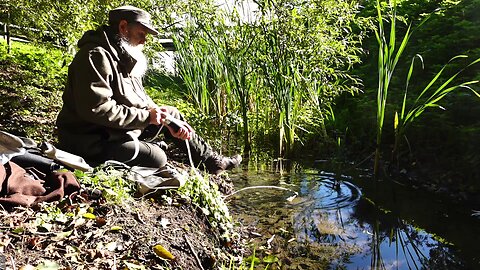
429,97
205,194
388,57
112,183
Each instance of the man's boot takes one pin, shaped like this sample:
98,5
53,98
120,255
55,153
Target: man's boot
203,155
216,163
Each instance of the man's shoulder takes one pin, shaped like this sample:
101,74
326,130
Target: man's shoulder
95,40
88,52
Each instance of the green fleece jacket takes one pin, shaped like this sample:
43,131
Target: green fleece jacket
101,101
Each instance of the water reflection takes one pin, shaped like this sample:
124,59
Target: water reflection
333,224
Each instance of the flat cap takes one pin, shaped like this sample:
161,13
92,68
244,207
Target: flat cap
132,14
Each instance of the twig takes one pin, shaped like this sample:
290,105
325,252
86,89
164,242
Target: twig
12,261
258,187
193,251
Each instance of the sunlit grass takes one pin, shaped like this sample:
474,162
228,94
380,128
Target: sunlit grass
429,97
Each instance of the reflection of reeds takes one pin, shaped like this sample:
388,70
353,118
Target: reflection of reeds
407,246
376,262
407,243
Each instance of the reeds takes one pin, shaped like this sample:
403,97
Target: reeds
276,73
429,97
388,57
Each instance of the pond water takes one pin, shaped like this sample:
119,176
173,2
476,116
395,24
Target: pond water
330,218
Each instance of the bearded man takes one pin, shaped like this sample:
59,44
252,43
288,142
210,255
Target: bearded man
106,109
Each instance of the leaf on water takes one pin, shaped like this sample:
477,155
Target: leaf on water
163,253
89,216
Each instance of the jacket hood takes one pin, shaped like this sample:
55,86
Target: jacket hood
103,37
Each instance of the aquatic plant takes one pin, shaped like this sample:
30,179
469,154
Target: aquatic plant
388,57
266,69
429,97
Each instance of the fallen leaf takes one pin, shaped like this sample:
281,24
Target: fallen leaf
33,242
116,228
62,235
132,266
163,253
100,221
164,222
48,265
89,216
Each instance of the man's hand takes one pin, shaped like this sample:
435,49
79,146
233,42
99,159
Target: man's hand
178,128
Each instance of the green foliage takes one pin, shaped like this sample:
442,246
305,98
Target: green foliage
205,194
264,67
430,96
111,182
33,78
388,56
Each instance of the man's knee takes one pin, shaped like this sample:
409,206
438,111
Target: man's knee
151,155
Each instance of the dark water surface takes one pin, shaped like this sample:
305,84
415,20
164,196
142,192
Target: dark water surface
343,220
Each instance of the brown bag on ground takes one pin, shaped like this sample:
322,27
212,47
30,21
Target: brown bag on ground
19,187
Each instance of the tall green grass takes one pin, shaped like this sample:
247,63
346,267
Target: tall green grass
388,56
430,96
278,74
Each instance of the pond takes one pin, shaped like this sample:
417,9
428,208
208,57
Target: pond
326,217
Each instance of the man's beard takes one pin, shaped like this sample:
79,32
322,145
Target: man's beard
137,53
